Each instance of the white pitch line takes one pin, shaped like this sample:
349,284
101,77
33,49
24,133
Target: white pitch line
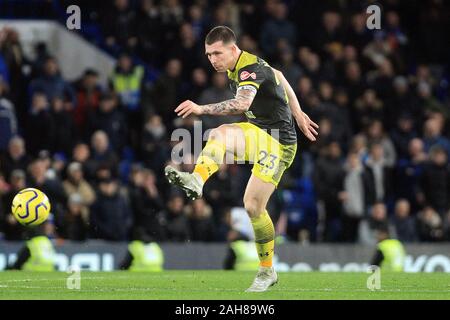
227,290
51,279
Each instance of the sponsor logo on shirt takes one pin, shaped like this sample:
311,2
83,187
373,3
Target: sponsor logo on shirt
245,75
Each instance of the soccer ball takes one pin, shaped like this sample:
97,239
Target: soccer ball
30,207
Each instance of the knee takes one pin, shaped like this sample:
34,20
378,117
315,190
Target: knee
253,207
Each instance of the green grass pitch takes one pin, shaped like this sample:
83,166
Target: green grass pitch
218,285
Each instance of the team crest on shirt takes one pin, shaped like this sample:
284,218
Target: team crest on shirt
245,75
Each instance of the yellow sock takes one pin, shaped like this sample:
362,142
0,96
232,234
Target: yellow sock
264,238
210,158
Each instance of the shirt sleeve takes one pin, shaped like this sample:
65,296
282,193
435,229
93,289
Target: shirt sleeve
251,75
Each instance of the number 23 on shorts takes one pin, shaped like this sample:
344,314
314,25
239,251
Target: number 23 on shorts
268,161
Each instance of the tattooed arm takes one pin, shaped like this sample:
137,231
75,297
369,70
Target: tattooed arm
240,104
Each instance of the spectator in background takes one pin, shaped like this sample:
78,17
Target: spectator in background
435,181
276,28
8,120
368,108
408,172
447,227
4,72
430,226
404,223
172,15
304,88
402,134
199,83
76,219
188,49
198,20
356,84
379,173
177,223
147,204
328,178
356,196
39,124
330,33
135,182
121,33
15,158
326,135
220,192
51,187
248,43
288,66
167,90
432,135
58,165
149,18
62,132
154,150
377,220
377,135
52,84
76,184
395,35
88,92
201,222
102,154
221,17
311,64
327,105
110,217
428,102
82,155
382,79
11,228
401,102
109,119
358,34
127,80
342,125
11,50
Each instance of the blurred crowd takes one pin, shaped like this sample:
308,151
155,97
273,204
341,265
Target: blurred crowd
381,98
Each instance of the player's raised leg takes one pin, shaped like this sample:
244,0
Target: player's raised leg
225,138
256,196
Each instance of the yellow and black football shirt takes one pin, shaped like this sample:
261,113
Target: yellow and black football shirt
270,108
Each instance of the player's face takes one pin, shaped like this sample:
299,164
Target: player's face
220,55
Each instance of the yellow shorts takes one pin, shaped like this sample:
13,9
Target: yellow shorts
269,157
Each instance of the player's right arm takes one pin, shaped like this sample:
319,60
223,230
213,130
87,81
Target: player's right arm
240,104
306,125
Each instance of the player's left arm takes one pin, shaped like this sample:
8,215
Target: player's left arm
306,125
240,104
